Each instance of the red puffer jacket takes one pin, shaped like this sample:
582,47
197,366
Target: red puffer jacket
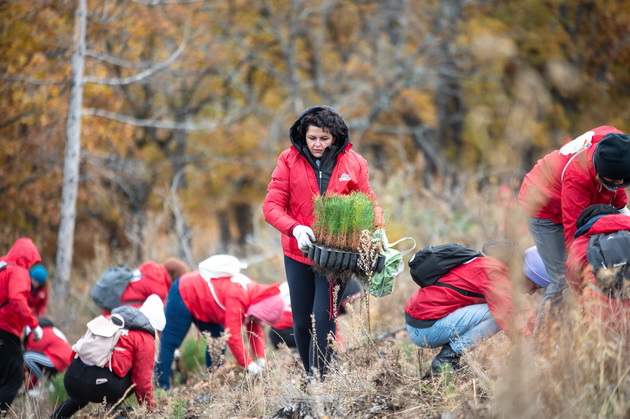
15,285
236,297
54,345
564,182
154,280
293,185
580,275
484,275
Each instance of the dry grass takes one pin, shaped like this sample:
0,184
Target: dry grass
579,370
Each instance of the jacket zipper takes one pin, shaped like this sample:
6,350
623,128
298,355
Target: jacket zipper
320,182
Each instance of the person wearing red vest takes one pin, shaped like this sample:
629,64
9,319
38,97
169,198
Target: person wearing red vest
218,298
592,169
596,219
38,297
15,315
476,303
131,364
319,161
45,357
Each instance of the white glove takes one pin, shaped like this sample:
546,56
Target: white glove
624,210
262,362
38,333
380,236
305,237
253,368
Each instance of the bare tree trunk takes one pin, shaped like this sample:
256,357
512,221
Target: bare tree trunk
65,239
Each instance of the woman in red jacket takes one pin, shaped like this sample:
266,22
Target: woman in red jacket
482,305
218,298
132,363
592,169
45,357
596,219
320,161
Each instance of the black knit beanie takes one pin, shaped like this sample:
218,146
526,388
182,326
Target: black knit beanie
612,157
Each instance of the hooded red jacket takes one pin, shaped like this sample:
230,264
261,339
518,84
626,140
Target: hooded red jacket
53,345
154,280
580,275
549,194
293,185
483,275
15,285
236,297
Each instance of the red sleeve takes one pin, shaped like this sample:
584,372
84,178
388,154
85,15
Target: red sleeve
277,199
234,316
498,291
621,198
142,373
576,264
575,196
19,288
256,339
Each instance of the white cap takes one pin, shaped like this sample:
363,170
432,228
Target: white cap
153,309
219,266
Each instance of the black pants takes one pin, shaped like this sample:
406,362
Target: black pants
311,293
11,368
279,336
85,384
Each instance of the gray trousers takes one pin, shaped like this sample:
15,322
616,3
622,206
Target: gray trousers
549,239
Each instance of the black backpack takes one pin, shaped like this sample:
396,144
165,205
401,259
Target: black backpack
431,263
610,253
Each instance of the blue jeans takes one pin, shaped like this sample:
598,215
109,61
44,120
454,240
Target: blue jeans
178,321
463,328
549,239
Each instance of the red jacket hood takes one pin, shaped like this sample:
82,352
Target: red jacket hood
24,253
610,223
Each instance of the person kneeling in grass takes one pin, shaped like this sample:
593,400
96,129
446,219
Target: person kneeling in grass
603,291
472,302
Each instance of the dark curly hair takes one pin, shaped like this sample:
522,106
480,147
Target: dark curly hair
323,117
593,211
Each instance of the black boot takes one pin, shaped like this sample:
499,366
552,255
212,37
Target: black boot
446,358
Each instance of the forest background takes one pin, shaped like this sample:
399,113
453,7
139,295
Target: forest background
134,130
